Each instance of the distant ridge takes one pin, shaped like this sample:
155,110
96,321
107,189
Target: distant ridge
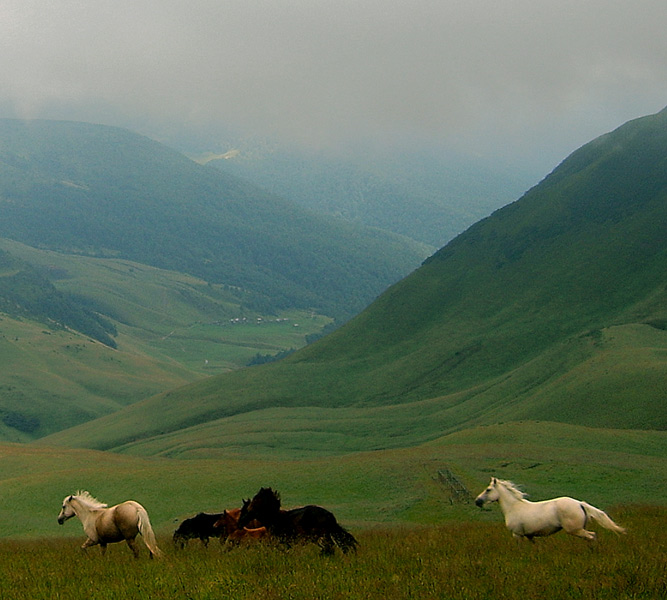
103,191
426,194
553,308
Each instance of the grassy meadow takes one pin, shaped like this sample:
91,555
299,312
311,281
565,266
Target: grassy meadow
449,561
416,540
364,489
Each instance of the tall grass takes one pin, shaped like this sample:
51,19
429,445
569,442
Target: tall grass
455,561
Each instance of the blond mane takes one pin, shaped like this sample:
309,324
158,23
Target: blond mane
512,488
86,498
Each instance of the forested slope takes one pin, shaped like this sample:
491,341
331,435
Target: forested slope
103,191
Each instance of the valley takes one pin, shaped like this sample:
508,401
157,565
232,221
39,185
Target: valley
532,347
54,378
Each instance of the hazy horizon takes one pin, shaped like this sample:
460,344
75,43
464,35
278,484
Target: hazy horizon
519,80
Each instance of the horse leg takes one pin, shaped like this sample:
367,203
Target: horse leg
133,546
576,526
327,545
583,533
88,543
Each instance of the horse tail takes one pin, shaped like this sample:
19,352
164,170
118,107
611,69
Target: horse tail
601,517
146,531
344,539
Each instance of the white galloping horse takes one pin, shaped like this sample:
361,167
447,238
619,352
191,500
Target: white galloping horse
104,525
532,519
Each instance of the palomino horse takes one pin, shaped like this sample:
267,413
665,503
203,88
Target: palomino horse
105,525
533,519
232,534
308,523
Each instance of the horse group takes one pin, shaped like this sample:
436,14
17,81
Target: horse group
263,518
307,523
224,525
260,518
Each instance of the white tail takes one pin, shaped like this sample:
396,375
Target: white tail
602,518
146,532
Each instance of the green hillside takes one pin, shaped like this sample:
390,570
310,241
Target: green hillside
554,308
101,191
168,329
24,292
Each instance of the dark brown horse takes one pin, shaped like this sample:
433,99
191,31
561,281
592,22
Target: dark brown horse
232,534
202,526
307,523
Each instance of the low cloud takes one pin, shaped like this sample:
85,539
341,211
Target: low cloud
316,72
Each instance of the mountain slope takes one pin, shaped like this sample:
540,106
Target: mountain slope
103,191
560,295
25,293
168,329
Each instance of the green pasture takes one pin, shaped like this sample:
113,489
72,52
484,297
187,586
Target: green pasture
53,379
215,347
418,539
364,489
311,407
453,561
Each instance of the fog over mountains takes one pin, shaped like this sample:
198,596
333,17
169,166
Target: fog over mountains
103,191
428,194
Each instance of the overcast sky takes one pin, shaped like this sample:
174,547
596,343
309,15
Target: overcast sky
525,77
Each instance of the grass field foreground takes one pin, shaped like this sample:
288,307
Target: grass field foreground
454,561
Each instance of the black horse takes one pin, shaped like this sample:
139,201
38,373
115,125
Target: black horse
307,523
200,526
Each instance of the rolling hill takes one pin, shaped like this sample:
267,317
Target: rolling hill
553,308
100,191
63,363
24,292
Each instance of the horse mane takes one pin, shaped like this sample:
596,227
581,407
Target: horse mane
232,513
86,498
512,488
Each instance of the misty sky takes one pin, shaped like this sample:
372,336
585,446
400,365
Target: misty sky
527,78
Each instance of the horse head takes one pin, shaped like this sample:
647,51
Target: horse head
245,516
67,512
490,494
264,506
